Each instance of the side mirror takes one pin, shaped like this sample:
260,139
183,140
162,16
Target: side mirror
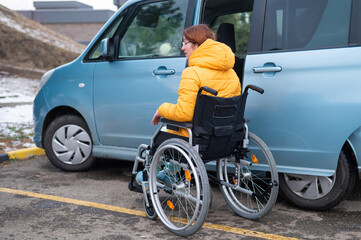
107,48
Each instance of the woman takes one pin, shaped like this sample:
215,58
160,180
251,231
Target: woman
210,64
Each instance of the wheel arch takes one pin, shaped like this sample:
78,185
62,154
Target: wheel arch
353,153
56,112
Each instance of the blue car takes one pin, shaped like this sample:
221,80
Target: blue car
304,54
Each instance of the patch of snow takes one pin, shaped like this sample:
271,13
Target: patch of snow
28,145
21,114
22,68
17,90
16,129
16,143
7,149
16,118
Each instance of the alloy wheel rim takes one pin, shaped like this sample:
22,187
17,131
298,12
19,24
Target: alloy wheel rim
71,144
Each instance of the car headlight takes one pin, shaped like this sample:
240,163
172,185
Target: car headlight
46,77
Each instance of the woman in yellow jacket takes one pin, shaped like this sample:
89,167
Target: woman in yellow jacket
210,64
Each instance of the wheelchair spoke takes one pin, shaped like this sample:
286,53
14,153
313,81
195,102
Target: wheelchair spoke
255,193
180,184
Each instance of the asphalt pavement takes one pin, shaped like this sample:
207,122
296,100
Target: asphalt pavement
38,201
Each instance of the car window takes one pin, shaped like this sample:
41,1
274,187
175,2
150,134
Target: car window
241,22
306,24
96,51
156,30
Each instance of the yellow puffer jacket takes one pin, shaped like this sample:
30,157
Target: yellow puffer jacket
209,65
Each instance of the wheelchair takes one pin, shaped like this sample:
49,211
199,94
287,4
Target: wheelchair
175,183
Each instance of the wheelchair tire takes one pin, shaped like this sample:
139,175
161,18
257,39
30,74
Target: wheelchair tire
179,187
256,178
150,211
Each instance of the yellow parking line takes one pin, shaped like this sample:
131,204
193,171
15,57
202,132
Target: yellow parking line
218,227
74,201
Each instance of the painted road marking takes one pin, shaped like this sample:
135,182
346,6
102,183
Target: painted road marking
218,227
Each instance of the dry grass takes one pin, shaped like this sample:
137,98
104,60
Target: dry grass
30,25
21,50
27,56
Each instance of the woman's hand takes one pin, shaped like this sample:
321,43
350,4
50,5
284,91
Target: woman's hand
156,118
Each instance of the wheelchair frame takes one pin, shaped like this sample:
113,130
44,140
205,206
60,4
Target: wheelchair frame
263,198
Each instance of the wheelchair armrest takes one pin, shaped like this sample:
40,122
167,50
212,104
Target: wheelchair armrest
177,124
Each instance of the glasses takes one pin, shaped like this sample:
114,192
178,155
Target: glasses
186,42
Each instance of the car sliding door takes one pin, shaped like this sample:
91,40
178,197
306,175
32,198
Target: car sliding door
309,71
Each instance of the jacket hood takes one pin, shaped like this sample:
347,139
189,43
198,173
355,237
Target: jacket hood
213,55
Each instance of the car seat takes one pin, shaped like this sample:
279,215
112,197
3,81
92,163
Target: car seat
225,34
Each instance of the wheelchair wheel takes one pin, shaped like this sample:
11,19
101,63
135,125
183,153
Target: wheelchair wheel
179,187
251,191
151,214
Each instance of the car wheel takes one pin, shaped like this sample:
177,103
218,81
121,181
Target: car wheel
319,192
68,143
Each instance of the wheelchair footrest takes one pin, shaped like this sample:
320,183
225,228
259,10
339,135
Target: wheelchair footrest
134,186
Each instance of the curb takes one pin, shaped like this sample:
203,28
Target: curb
21,153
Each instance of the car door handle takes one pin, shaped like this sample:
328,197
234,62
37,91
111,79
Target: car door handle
267,69
164,72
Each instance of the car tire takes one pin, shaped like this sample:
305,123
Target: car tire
68,143
318,192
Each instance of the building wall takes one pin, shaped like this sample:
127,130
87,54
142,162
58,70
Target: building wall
73,19
81,32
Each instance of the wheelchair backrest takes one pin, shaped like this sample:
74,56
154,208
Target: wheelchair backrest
218,124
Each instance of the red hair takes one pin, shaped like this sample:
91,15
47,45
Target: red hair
198,34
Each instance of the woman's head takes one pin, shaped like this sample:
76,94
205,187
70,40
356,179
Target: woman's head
194,36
